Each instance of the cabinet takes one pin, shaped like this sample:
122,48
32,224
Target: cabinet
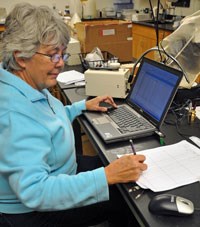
144,38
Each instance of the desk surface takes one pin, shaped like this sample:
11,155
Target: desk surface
139,207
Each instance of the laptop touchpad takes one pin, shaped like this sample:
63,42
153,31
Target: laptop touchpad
100,120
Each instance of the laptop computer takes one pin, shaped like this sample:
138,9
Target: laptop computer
149,99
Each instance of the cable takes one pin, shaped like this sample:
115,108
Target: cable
156,22
180,115
151,10
188,103
156,49
179,112
157,29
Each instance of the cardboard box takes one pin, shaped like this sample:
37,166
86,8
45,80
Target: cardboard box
114,36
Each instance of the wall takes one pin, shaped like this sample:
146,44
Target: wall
141,4
104,3
60,4
194,6
8,4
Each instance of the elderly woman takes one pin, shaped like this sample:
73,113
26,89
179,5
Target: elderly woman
42,182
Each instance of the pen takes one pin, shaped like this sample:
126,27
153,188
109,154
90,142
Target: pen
132,146
140,194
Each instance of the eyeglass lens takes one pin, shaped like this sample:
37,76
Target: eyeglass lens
56,57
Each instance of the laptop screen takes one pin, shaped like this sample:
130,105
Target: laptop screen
153,88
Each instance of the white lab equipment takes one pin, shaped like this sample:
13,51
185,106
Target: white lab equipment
184,45
110,82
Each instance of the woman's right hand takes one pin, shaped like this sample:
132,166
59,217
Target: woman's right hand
128,168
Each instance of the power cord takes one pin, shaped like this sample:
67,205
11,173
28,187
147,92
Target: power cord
180,113
180,107
156,23
156,49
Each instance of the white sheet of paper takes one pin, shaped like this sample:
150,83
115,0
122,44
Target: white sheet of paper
70,77
170,166
195,140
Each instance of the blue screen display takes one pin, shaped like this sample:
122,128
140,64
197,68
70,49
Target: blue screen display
153,89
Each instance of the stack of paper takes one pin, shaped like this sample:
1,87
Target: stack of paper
171,166
70,77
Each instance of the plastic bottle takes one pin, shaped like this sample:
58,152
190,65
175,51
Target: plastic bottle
89,9
67,10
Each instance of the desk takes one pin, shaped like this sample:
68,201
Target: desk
76,126
139,207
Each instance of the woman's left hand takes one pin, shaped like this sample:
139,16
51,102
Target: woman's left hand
93,104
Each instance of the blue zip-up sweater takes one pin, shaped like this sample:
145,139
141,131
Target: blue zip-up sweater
37,152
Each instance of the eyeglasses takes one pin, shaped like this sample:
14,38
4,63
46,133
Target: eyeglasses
55,58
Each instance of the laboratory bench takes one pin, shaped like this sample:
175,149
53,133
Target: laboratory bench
139,204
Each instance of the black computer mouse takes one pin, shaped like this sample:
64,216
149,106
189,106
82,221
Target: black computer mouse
167,204
107,105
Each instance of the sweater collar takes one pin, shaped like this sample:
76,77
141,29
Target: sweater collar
19,84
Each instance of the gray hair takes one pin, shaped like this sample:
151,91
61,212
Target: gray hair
28,27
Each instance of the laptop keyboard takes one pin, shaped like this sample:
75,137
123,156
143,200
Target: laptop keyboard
127,121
